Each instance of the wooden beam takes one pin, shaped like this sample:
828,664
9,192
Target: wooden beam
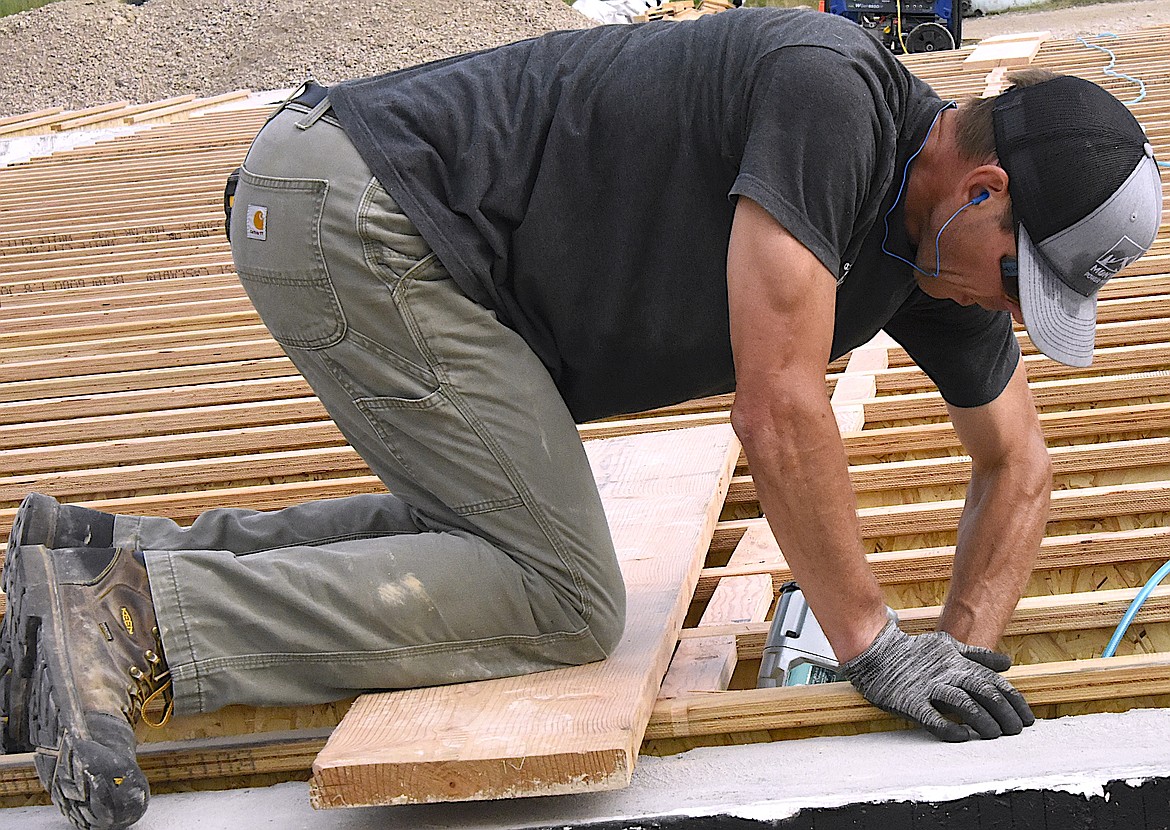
1011,50
1033,615
886,442
751,710
705,664
1078,460
909,567
570,730
237,760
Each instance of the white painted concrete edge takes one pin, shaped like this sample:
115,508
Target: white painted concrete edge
758,781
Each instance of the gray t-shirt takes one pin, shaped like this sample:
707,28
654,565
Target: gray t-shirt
582,185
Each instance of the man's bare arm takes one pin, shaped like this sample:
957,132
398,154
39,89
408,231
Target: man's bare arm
1004,516
782,308
782,302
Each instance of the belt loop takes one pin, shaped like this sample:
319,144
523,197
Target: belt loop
314,115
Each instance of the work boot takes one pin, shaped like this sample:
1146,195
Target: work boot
84,639
41,520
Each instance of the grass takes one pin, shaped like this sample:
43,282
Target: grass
13,6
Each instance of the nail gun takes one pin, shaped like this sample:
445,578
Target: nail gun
797,653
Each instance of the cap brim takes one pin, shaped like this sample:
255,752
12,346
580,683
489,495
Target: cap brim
1061,322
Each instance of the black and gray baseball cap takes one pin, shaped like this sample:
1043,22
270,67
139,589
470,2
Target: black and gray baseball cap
1087,199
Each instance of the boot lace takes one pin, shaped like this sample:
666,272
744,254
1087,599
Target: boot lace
149,686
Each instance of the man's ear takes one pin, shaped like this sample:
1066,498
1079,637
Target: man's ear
986,178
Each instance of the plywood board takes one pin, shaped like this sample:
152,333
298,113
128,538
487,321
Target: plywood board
1010,50
569,730
706,663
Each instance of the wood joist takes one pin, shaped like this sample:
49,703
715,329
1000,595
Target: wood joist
117,113
135,378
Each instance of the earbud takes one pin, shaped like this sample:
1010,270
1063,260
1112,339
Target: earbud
982,197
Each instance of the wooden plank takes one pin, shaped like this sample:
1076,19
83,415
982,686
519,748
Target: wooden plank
1067,505
47,121
116,382
955,471
1135,419
706,664
1151,498
1142,357
188,108
908,567
236,760
570,730
1076,612
74,365
1059,394
143,401
856,384
1011,50
29,116
121,115
751,710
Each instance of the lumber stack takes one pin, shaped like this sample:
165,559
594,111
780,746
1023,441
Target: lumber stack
682,10
113,114
136,378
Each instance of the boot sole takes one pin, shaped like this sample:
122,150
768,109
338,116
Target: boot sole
95,787
35,524
15,668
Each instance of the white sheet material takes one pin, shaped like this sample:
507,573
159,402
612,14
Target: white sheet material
614,11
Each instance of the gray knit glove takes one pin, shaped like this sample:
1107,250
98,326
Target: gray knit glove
926,676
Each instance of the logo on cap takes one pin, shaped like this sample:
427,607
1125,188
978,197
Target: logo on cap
1124,251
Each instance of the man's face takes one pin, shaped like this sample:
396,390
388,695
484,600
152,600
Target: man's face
970,252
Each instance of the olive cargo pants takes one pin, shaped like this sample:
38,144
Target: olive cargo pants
490,555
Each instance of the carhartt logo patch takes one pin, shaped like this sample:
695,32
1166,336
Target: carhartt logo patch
257,222
1117,258
127,620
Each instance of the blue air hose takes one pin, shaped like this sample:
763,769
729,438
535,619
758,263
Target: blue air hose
1109,70
1134,607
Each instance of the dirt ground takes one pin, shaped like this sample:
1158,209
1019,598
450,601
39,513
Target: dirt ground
78,53
1072,22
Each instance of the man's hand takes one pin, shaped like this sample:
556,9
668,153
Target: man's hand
927,676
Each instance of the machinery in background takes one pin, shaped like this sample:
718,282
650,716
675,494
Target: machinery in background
905,25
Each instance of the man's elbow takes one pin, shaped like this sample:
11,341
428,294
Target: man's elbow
1029,472
1041,475
747,421
781,419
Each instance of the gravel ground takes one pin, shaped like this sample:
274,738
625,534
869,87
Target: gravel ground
1069,23
78,53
